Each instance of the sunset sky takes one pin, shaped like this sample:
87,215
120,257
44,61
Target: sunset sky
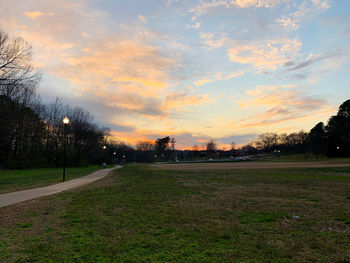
222,69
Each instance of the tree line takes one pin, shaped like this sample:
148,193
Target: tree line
31,133
332,139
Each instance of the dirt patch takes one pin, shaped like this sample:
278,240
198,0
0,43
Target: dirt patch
247,165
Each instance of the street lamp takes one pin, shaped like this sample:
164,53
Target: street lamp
104,147
65,123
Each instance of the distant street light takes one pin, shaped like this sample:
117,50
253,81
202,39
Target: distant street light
65,123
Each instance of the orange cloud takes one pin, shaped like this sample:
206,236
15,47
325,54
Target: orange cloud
116,63
36,14
282,103
182,99
217,77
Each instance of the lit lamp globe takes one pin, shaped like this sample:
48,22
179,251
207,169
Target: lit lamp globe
65,121
104,147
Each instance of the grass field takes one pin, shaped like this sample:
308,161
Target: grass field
246,165
300,157
14,180
144,214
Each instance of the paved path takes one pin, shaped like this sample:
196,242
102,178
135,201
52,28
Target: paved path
20,196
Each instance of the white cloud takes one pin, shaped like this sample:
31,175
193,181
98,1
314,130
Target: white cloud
265,54
197,25
142,19
205,7
305,10
288,23
170,2
323,4
209,40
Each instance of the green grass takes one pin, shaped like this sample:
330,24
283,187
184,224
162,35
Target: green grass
14,180
141,214
300,157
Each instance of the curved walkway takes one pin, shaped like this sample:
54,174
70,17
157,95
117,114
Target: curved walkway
25,195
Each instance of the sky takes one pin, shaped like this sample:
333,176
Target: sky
227,70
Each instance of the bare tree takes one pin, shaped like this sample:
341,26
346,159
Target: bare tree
172,143
18,79
145,145
211,147
267,141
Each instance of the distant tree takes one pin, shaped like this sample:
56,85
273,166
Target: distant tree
172,143
162,146
120,151
145,145
145,151
344,110
284,143
317,137
249,149
267,142
21,133
233,146
211,147
195,148
338,132
302,142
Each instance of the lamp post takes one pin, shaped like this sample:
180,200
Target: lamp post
104,147
65,123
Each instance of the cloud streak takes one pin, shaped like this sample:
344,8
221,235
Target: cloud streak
309,61
36,14
281,104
